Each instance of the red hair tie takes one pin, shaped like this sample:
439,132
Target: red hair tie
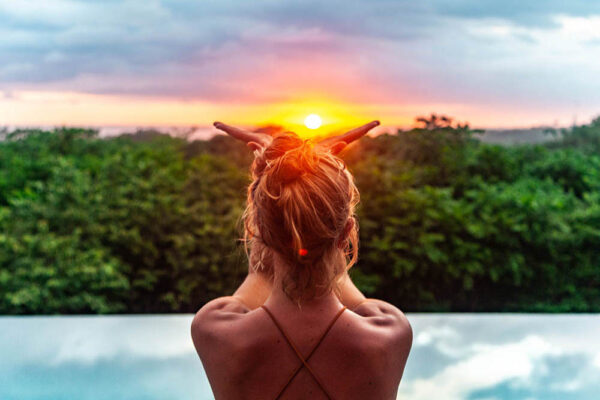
302,252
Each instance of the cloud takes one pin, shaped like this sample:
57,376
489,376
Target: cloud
445,339
92,340
465,54
502,356
528,13
489,366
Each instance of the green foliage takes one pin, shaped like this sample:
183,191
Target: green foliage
452,224
92,225
148,223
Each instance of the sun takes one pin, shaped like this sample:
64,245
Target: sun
312,121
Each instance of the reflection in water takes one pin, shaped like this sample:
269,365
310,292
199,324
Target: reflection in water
454,356
503,356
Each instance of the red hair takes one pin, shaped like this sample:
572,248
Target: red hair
301,205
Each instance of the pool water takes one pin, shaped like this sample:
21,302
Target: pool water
454,356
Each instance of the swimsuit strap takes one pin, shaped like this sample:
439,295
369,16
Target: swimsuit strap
304,361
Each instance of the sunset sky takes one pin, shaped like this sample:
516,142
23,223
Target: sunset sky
509,63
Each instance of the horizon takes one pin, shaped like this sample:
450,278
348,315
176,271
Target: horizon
206,132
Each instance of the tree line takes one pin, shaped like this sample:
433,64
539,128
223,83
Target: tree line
147,223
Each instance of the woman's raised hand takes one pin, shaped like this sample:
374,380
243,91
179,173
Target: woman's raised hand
337,143
254,140
258,141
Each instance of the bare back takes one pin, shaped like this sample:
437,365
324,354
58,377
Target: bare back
246,356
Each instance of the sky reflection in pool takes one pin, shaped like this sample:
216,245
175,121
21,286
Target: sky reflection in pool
454,356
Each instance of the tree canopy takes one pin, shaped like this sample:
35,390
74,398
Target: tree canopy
148,223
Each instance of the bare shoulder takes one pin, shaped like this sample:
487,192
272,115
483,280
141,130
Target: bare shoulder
216,318
387,337
386,318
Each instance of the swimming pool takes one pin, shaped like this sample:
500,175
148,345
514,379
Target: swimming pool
454,356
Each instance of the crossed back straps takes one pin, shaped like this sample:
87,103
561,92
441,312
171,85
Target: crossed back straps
302,359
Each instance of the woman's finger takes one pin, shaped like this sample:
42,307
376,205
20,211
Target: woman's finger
237,133
351,135
337,147
359,132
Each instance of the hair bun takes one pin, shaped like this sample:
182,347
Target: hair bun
287,158
290,166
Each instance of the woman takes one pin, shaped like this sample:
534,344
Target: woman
297,327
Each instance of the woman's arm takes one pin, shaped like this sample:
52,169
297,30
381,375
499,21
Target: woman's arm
257,286
350,296
258,141
255,290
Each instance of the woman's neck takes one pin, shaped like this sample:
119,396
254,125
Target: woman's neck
280,300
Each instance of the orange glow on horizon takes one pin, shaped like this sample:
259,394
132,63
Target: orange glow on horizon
71,108
35,108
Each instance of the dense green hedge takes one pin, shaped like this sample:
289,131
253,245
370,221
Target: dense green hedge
148,223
